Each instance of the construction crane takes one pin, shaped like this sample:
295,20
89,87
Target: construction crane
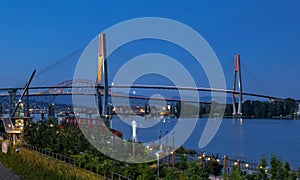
14,123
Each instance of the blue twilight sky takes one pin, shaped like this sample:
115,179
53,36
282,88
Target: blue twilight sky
36,34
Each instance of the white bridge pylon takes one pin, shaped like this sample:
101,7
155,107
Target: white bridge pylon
237,72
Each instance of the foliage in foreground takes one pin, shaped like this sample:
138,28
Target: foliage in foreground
32,165
69,141
276,170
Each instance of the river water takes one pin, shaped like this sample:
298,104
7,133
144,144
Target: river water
249,138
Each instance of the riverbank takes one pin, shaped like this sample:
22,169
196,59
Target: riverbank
251,117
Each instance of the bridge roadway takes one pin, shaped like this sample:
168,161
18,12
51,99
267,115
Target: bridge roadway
53,88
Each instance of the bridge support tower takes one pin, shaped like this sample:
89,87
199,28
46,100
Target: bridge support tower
102,70
237,81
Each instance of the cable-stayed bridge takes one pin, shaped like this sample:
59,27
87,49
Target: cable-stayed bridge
56,80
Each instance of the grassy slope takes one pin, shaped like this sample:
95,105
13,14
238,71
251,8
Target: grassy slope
32,165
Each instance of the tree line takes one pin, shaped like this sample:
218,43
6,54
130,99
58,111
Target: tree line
283,109
286,108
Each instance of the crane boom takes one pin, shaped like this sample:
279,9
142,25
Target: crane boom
22,95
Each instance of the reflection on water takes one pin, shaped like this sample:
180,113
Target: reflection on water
239,120
252,138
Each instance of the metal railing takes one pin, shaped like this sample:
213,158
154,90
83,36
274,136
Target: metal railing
71,161
246,165
109,175
51,154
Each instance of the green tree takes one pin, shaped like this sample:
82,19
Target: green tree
276,167
235,174
290,106
262,166
228,110
257,109
131,171
292,176
248,108
214,165
215,168
286,169
279,106
264,107
195,171
178,109
147,174
171,174
286,172
182,164
251,177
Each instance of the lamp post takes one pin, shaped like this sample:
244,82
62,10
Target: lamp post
157,155
247,167
168,153
173,160
133,123
202,158
224,165
157,158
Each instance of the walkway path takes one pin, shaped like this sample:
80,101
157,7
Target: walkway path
7,174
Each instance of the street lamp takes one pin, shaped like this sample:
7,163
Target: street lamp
224,165
157,155
202,158
247,166
173,160
157,158
266,171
